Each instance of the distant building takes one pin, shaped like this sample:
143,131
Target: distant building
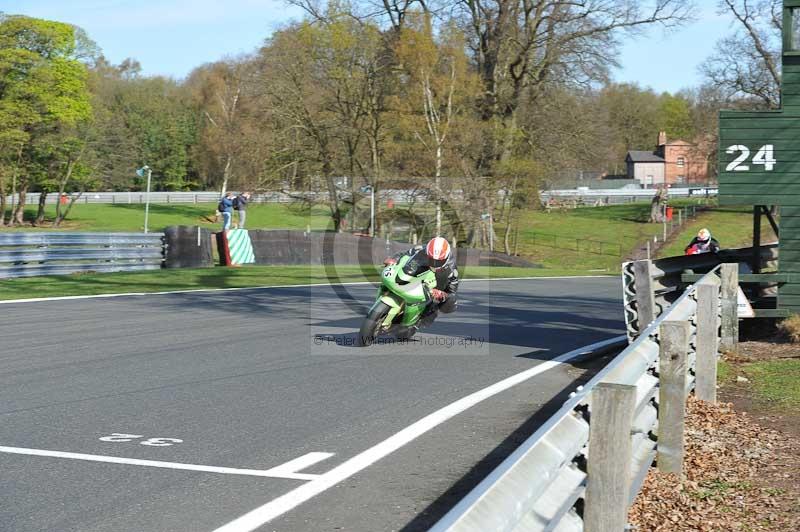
674,162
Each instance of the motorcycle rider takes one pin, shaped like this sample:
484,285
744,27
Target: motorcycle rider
702,243
438,257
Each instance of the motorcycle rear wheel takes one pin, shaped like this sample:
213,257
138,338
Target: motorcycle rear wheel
371,326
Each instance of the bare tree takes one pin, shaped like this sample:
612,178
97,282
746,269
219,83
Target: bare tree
747,63
220,89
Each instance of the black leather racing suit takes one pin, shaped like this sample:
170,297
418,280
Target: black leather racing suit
446,277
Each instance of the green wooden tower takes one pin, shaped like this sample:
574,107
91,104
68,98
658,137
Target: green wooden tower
759,156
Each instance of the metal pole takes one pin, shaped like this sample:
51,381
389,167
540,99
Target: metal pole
756,260
372,213
13,192
491,233
147,202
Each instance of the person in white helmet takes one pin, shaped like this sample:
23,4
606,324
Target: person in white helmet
438,257
702,243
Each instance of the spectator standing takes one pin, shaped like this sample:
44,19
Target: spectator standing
240,204
225,207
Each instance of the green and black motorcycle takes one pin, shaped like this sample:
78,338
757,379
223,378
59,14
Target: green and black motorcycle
401,301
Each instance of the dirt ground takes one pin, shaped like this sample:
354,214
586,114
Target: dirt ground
742,462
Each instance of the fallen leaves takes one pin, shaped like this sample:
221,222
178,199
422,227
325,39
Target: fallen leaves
732,478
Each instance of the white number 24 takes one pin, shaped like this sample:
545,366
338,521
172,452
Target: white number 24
765,156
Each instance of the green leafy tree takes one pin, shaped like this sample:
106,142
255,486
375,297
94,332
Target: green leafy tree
675,117
43,85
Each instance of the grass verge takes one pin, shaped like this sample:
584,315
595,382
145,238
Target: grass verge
205,278
731,226
776,381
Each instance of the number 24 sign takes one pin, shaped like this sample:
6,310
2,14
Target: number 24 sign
764,157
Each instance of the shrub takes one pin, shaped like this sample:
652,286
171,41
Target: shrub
790,327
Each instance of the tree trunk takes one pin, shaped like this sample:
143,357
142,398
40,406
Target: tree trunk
61,216
2,201
507,235
226,174
62,186
40,210
516,240
19,210
333,199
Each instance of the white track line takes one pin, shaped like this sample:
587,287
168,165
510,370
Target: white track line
287,470
277,507
205,290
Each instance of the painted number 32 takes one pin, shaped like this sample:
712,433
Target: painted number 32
764,157
118,437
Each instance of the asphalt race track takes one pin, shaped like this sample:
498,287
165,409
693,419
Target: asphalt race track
183,412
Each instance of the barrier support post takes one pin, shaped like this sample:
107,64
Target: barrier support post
730,317
609,463
707,341
674,348
645,296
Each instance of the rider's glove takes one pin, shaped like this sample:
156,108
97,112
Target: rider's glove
390,261
438,295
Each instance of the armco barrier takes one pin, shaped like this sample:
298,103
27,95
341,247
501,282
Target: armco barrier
33,254
649,287
542,486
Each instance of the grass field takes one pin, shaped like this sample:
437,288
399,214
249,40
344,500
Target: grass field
599,238
731,226
772,382
219,277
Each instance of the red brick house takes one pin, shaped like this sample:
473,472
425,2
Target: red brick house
675,162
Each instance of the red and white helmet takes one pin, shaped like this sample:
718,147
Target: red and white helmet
438,250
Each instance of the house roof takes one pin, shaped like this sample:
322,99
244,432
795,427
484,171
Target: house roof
638,156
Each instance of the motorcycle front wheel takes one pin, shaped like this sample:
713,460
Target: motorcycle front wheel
371,327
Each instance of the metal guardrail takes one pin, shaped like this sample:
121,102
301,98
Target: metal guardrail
624,195
212,197
34,254
125,198
538,487
662,283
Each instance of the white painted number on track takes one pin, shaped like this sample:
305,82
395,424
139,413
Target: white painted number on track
118,437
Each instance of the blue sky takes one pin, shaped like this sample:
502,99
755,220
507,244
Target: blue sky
173,36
